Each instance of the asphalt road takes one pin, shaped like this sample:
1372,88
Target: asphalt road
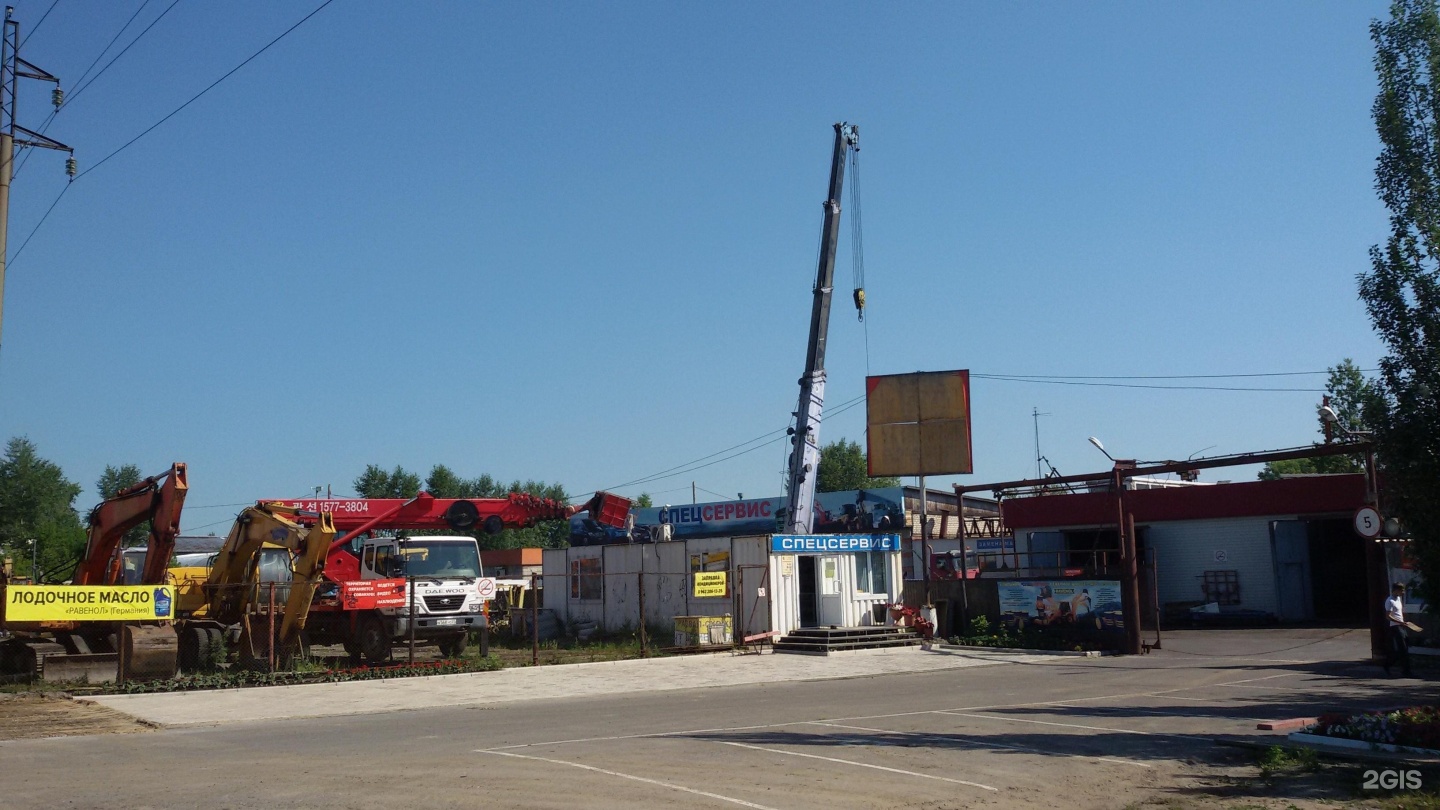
1078,732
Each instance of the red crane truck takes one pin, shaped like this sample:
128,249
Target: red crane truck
364,602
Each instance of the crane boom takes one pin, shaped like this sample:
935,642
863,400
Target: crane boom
805,457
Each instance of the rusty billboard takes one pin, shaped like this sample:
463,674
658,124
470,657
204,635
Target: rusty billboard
919,423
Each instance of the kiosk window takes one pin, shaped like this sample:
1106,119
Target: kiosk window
872,569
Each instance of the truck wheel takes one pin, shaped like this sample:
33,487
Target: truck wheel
454,647
212,648
374,641
190,640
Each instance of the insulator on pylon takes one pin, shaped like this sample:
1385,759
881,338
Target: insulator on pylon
71,167
57,97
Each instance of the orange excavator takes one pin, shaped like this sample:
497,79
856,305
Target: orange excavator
91,650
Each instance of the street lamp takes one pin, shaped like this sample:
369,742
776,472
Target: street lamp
34,548
1101,448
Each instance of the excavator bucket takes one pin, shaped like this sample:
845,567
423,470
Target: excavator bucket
148,653
58,666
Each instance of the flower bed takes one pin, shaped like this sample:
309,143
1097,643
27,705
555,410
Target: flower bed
235,678
1413,727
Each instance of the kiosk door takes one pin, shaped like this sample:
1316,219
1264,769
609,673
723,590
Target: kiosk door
831,612
809,600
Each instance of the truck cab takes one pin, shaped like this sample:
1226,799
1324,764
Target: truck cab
445,571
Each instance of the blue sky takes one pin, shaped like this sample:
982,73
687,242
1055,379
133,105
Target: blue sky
575,242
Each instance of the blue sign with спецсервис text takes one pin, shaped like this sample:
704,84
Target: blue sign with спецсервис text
833,543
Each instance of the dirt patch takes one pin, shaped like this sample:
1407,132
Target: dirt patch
29,716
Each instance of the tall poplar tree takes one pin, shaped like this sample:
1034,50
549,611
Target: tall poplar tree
1402,289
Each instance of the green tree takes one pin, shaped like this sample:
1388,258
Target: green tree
1402,290
111,482
37,502
843,466
1350,396
375,482
643,501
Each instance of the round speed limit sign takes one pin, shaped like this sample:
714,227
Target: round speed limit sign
1367,522
486,586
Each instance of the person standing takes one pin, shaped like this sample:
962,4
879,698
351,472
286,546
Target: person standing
1397,631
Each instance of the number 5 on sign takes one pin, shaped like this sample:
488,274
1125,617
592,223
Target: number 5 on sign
1367,522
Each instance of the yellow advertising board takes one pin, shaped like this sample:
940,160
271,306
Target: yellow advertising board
89,603
709,584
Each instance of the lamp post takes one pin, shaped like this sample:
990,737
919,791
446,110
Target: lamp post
34,556
1101,448
1129,553
1377,578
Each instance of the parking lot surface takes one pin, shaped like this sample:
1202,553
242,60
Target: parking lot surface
994,730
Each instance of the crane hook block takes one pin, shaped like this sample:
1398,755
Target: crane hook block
860,302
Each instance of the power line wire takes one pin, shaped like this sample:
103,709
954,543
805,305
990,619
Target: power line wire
172,114
83,87
38,24
21,249
80,81
81,84
692,466
1171,376
211,86
1136,385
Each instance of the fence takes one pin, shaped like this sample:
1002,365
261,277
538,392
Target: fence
653,605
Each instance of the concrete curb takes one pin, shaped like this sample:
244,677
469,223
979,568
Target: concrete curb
484,689
1347,754
1342,744
1289,723
1021,650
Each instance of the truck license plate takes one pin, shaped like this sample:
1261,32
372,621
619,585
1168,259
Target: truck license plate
443,622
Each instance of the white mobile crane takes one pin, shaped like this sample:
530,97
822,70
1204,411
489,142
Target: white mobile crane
805,457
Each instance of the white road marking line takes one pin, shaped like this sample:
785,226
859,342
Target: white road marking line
1260,688
632,777
1161,712
982,744
858,764
1252,680
1003,718
1047,723
1166,693
645,736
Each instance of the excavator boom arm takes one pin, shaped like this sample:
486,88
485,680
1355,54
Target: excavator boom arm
158,499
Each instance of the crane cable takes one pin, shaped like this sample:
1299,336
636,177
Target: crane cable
857,251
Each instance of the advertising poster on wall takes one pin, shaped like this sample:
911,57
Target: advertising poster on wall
1085,606
864,510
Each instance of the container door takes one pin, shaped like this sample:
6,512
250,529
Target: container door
1291,539
831,610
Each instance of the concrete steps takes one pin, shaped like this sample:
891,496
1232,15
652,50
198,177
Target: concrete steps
827,640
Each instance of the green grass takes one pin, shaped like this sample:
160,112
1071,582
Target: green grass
1278,759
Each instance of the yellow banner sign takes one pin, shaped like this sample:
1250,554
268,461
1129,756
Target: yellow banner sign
89,603
709,584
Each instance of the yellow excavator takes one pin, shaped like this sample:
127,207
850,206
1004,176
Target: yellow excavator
234,601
